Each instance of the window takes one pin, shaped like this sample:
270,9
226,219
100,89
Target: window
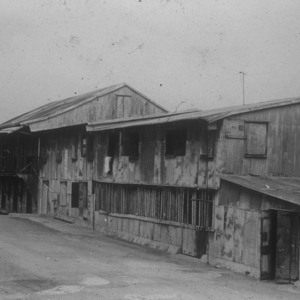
113,143
90,148
74,148
75,195
256,139
87,147
112,151
83,146
130,144
175,142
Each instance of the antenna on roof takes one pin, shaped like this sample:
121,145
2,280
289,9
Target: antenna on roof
243,79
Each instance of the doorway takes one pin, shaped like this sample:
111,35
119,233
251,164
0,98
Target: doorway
280,246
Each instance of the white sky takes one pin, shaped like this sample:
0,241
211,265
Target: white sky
170,50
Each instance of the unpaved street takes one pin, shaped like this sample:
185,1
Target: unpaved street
42,258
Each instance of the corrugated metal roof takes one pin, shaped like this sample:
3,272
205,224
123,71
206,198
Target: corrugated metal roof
59,107
284,188
10,129
209,116
154,119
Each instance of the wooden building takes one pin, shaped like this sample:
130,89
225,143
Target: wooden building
157,181
46,154
190,182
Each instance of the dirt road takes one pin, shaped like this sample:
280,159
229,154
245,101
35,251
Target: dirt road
42,258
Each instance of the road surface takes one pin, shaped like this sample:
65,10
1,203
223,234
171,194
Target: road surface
43,258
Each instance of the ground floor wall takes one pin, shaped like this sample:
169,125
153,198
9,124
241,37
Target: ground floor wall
69,199
18,194
167,236
247,236
235,244
175,219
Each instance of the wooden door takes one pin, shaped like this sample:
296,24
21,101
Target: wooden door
82,198
62,206
268,245
287,251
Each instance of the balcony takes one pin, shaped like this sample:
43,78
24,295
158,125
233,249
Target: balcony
10,165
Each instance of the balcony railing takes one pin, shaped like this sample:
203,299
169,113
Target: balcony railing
18,164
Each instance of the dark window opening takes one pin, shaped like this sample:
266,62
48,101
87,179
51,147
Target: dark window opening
113,144
211,137
3,200
90,148
83,146
256,139
176,142
112,151
130,144
74,149
75,195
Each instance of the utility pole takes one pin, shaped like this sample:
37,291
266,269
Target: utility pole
243,78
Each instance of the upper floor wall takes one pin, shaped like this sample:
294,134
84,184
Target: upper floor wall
178,154
265,142
189,153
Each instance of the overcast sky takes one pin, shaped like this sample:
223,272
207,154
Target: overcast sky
170,50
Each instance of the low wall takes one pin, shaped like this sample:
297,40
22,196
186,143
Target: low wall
164,235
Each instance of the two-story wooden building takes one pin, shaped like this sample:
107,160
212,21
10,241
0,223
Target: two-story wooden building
157,181
46,154
219,184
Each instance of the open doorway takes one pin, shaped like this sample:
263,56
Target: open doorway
280,246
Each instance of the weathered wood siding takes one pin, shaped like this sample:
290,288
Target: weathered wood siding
238,213
153,166
62,164
118,104
283,142
61,148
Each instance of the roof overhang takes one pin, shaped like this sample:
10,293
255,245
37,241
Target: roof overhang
143,121
10,129
283,188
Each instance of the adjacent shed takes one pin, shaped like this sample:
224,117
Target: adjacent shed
257,226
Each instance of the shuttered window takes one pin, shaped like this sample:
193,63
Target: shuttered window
256,139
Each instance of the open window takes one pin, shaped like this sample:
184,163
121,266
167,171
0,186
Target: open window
112,151
256,139
83,146
74,149
176,142
87,147
130,143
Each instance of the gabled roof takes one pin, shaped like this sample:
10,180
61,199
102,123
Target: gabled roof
284,188
209,116
58,107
